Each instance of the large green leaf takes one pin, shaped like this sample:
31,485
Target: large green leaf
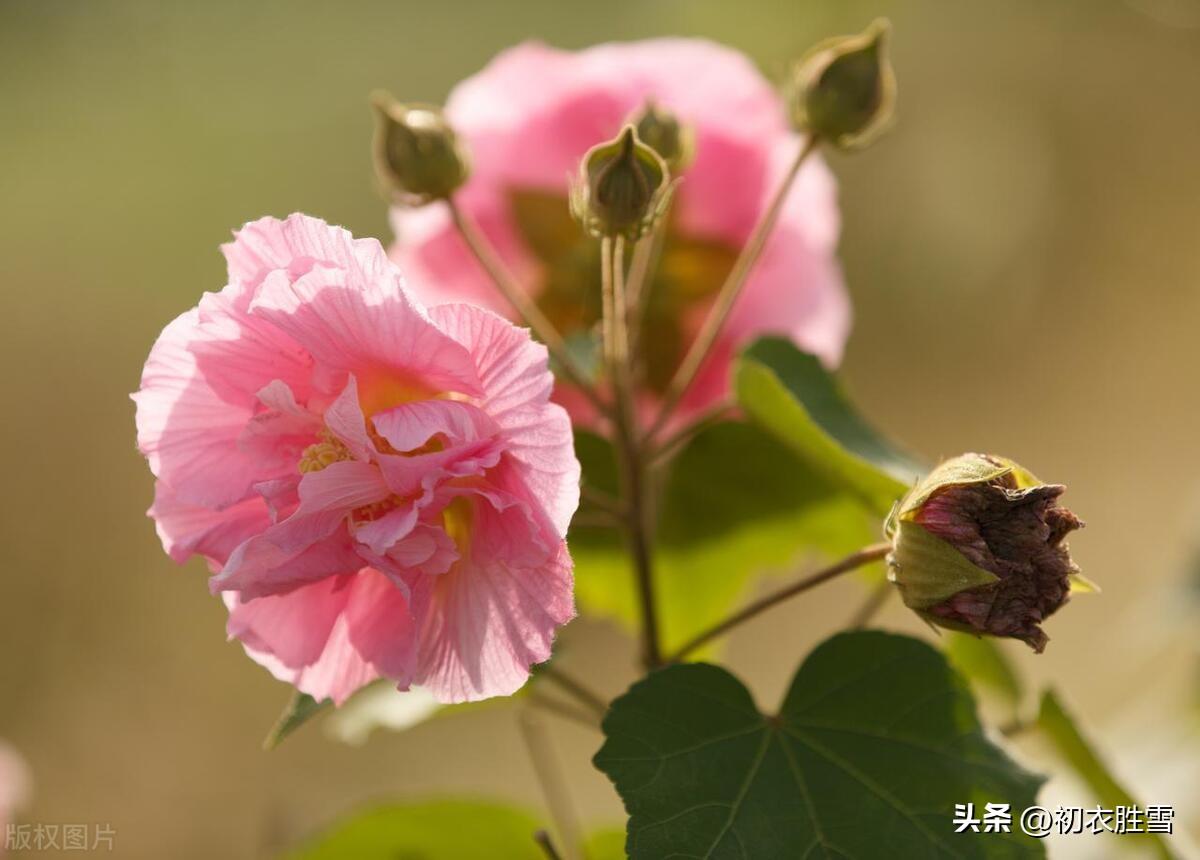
1058,726
447,830
792,396
875,744
736,503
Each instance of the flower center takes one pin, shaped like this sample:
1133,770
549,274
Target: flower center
458,517
329,450
688,275
320,454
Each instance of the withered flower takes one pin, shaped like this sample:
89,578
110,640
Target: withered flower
979,546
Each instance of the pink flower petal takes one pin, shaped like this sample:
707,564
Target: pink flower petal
493,615
344,418
516,384
188,433
313,542
411,425
382,534
294,246
332,637
368,327
186,529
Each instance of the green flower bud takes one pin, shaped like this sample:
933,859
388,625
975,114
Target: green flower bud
623,186
978,546
843,90
418,156
661,130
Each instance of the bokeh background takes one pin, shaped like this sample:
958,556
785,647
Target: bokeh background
1023,252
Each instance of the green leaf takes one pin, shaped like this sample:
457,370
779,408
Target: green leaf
736,503
447,830
793,397
1060,729
300,708
876,742
984,664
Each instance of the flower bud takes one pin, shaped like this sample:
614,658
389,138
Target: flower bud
623,186
661,130
978,546
418,156
843,90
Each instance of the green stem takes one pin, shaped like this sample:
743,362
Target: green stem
542,838
554,787
730,290
562,709
627,443
864,556
646,253
675,442
575,688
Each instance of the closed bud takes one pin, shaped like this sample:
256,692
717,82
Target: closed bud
843,90
979,546
661,130
623,186
417,154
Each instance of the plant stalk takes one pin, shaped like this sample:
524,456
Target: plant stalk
728,295
554,786
631,461
864,556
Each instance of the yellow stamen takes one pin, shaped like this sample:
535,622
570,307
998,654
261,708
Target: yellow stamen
458,517
317,456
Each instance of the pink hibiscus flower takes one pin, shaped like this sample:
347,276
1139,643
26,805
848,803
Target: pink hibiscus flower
381,490
528,119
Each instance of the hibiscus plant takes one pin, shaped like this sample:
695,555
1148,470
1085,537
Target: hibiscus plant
595,373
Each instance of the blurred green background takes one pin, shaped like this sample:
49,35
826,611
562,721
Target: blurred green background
1023,252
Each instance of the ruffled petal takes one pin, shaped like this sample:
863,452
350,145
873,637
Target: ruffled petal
187,530
513,372
313,542
493,615
187,431
331,638
345,420
367,326
294,246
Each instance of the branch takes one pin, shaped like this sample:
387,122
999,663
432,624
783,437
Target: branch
542,838
554,787
562,709
575,688
864,556
730,290
673,443
627,443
